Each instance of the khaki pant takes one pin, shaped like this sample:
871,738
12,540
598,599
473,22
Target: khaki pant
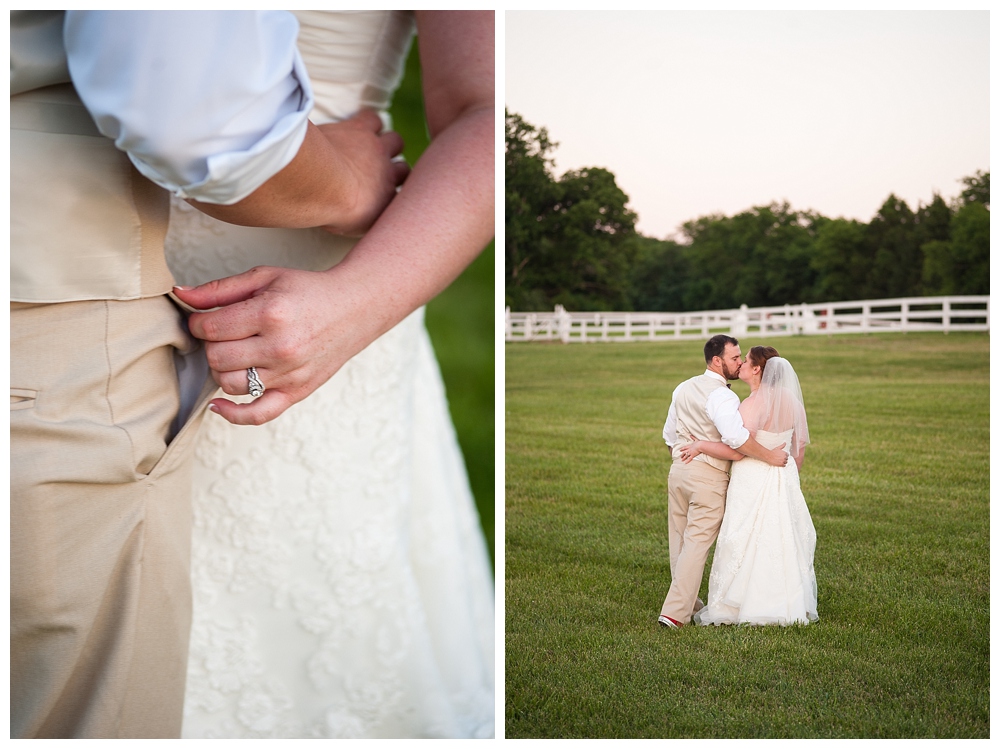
696,502
100,519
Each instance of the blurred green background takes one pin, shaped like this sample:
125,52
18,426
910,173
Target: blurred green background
460,323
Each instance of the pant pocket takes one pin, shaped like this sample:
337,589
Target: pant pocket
22,398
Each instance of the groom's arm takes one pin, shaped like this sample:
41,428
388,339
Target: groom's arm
213,106
753,449
341,178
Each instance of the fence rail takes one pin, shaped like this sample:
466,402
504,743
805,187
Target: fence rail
915,314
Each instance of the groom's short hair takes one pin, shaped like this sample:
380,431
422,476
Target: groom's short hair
717,345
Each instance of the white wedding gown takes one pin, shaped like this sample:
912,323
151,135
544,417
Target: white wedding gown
342,586
762,572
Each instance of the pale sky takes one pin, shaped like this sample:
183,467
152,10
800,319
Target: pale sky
699,112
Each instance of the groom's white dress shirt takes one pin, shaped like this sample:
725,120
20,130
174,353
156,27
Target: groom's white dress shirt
722,408
216,138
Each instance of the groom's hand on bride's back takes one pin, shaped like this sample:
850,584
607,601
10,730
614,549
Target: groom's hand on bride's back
373,180
341,179
777,456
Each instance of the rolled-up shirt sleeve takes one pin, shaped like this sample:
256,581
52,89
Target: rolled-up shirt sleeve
723,407
207,104
670,426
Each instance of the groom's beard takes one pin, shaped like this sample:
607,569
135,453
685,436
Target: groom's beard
734,375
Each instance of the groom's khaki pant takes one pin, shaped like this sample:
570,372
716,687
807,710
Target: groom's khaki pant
100,520
696,501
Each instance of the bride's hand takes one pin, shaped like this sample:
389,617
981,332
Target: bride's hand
690,452
297,328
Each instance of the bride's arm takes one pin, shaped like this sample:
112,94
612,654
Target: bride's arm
299,327
715,449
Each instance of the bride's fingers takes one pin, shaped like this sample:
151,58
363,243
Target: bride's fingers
392,143
366,119
226,356
400,171
233,323
237,382
269,406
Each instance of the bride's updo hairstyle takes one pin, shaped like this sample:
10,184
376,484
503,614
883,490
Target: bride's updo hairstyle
760,354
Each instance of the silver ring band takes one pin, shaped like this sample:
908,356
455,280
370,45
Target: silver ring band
256,386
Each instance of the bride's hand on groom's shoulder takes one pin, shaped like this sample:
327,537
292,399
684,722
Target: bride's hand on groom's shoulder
295,327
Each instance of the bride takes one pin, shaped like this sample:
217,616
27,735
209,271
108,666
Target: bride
342,586
762,572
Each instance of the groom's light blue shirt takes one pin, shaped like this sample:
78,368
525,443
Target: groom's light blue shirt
207,104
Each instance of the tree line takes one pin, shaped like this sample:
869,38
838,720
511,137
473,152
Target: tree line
572,241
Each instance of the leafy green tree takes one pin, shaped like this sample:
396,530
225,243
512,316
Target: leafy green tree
759,257
840,260
658,277
529,194
977,189
589,252
961,265
895,246
933,221
567,239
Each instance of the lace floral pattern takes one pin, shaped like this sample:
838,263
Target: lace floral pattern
341,582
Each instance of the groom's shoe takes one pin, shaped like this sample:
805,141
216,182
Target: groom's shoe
698,605
666,621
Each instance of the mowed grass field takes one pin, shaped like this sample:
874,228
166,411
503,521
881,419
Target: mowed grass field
897,482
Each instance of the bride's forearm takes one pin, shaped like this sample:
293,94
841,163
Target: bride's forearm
439,222
719,450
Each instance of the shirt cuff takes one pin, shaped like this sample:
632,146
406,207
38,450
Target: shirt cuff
234,175
737,440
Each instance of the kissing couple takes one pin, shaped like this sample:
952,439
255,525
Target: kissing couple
762,572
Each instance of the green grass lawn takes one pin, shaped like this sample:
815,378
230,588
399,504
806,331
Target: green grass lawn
460,323
897,482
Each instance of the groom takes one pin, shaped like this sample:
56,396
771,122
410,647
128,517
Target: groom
702,408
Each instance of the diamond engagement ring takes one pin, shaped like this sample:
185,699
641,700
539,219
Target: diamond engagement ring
256,386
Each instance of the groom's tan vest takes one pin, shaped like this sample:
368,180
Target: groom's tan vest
84,224
693,422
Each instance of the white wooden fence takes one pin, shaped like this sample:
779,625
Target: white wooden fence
941,314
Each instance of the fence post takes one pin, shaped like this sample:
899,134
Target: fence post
904,315
810,326
738,326
946,315
562,323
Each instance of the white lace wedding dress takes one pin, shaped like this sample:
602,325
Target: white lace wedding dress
762,572
342,586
